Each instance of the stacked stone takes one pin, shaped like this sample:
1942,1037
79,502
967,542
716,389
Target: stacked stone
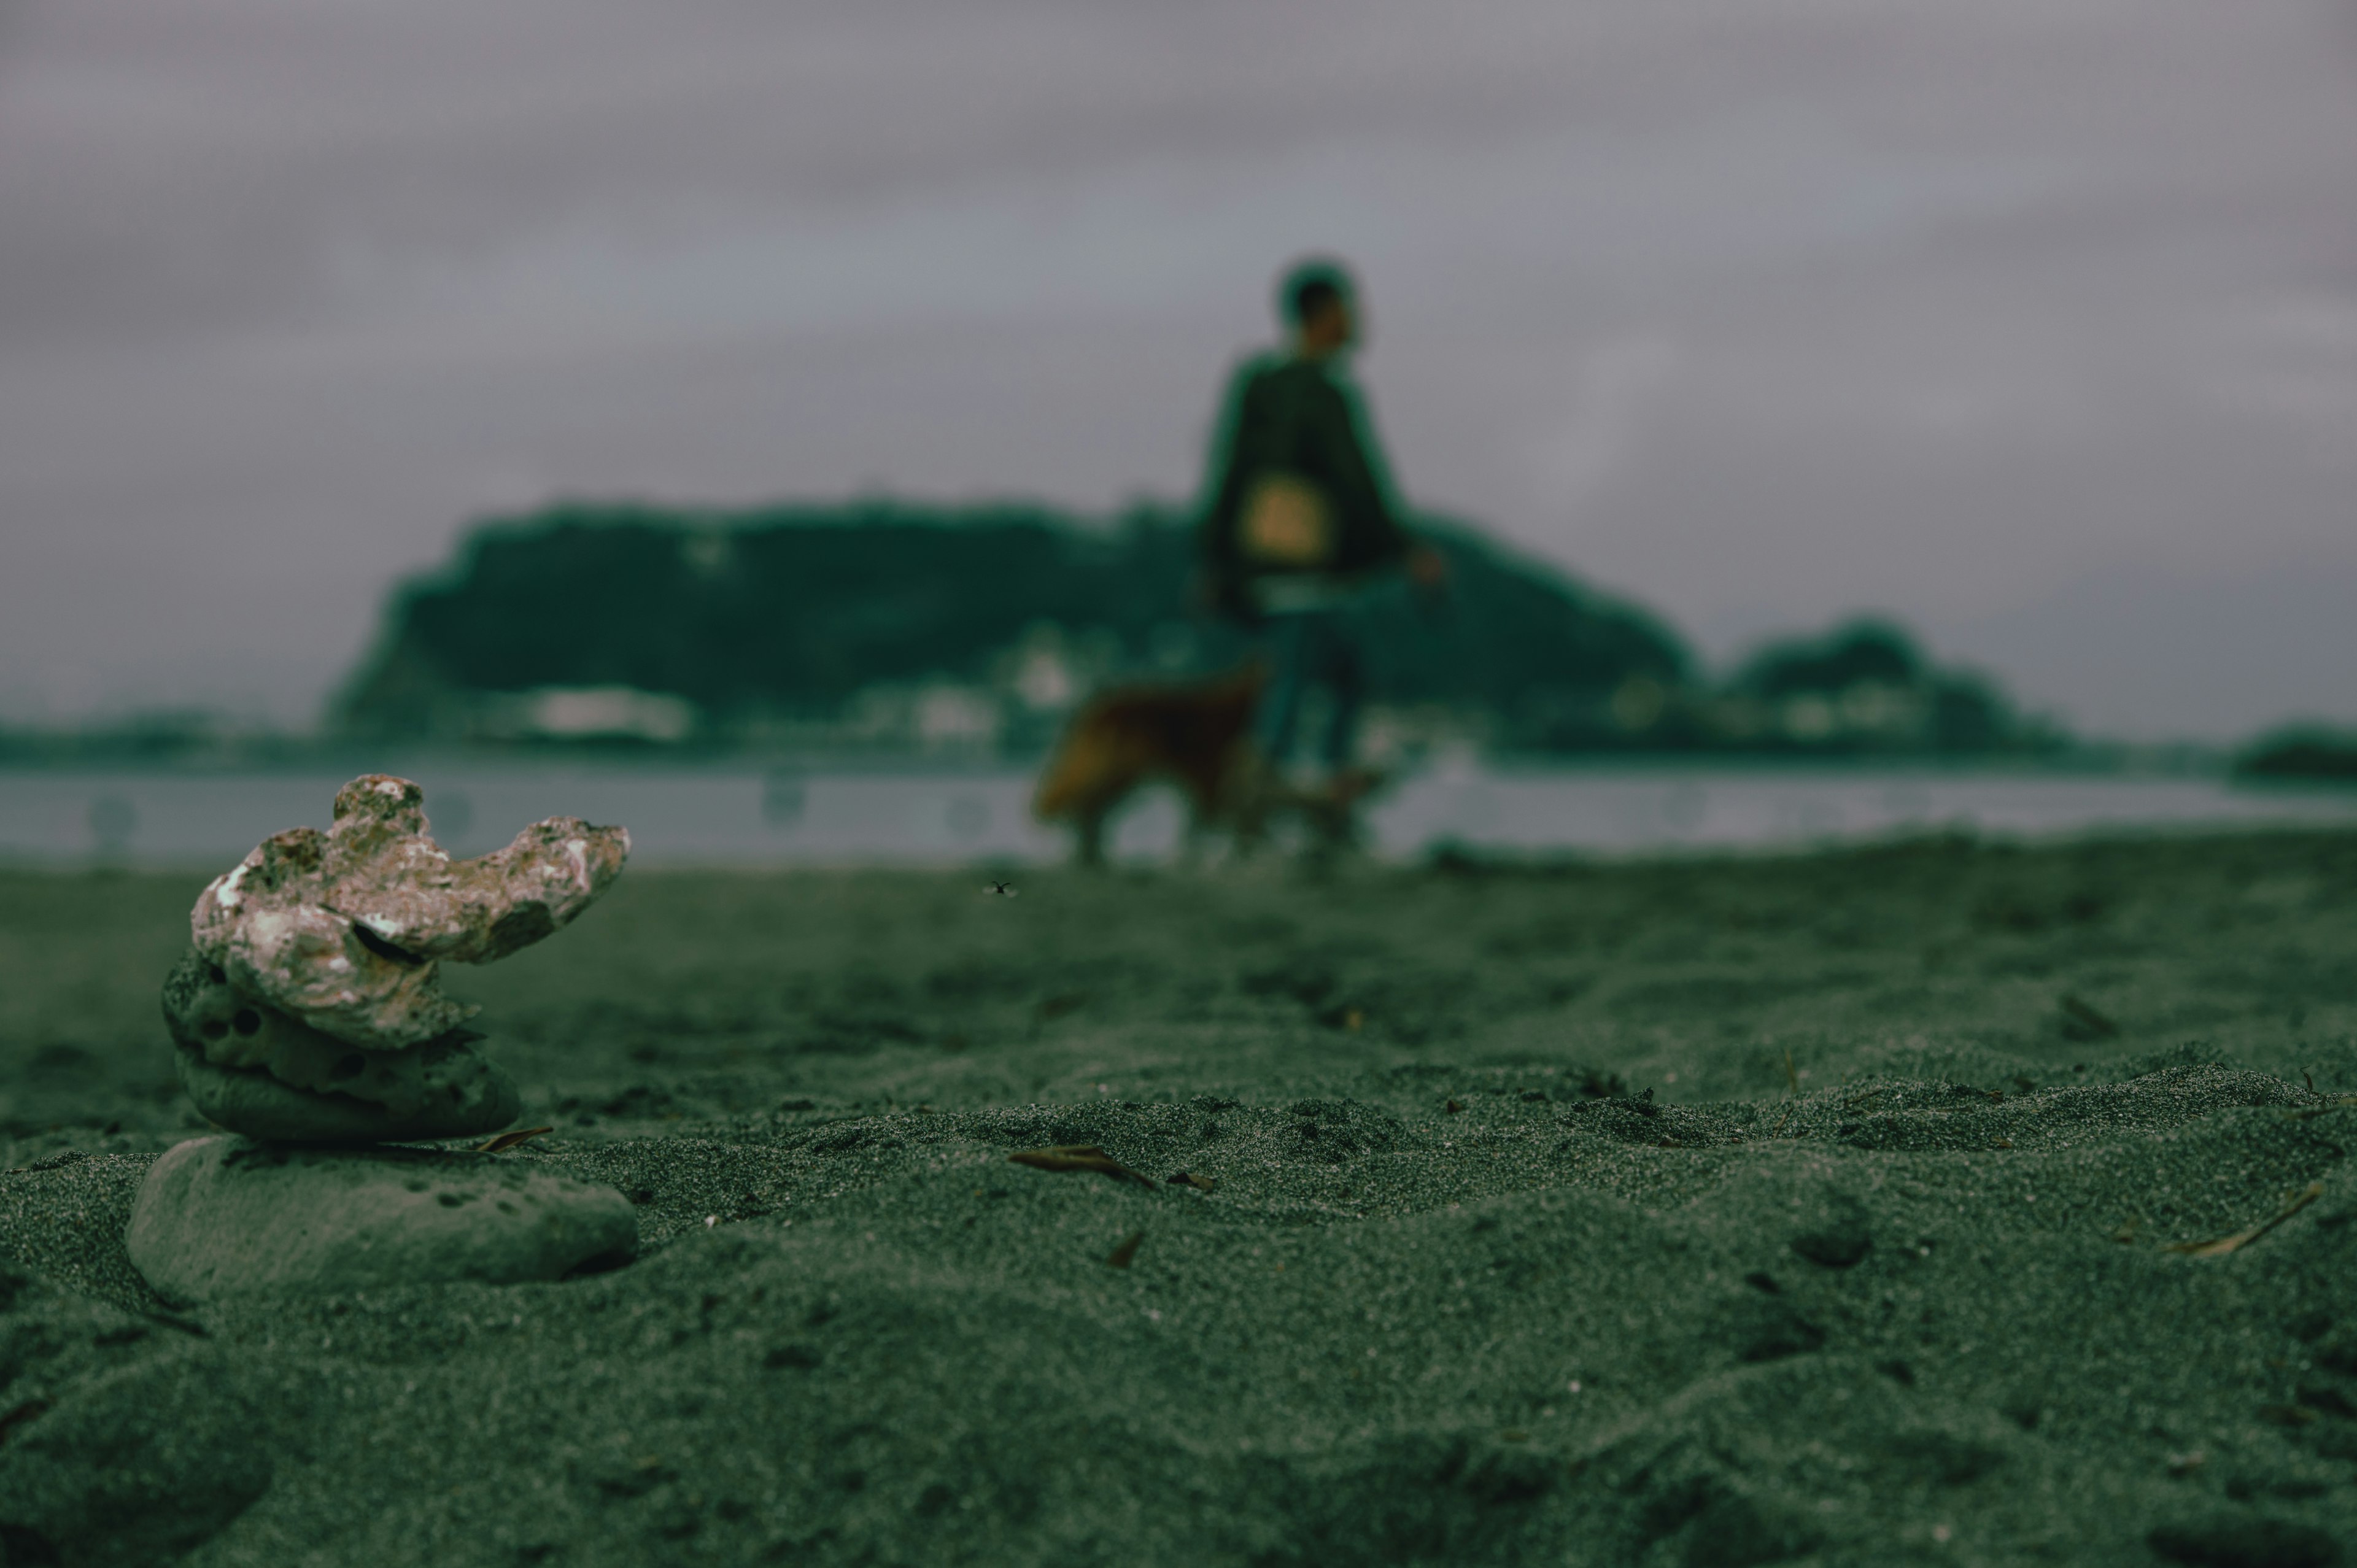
309,1018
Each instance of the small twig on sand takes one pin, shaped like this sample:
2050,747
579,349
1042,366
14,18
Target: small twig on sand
1792,1090
2293,1204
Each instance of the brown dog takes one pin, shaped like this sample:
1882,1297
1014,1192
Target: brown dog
1196,736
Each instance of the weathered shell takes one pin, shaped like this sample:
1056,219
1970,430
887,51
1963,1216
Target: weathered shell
344,931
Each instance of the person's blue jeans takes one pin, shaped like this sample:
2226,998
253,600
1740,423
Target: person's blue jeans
1312,648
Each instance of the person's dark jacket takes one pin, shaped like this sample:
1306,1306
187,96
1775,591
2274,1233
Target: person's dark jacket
1290,415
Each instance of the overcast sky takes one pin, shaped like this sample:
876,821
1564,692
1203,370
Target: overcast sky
2033,322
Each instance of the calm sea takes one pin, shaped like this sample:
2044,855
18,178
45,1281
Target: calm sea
788,817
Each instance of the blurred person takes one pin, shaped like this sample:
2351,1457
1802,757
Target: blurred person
1300,530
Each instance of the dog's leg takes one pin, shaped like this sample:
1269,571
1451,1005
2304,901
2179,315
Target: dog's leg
1089,825
1204,820
1200,785
1250,794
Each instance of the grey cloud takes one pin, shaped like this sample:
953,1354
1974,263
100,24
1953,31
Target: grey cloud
213,155
1930,306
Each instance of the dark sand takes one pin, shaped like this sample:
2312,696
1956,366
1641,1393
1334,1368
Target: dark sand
1921,1313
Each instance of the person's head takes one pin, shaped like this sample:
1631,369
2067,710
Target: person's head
1319,306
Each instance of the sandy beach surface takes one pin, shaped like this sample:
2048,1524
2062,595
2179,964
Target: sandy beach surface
1813,1209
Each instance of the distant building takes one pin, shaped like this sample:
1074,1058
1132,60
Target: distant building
1863,687
584,713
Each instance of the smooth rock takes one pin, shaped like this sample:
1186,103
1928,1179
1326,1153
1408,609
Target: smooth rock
482,1099
219,1217
443,1089
344,930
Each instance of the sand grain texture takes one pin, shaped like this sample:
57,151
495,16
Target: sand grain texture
1920,1311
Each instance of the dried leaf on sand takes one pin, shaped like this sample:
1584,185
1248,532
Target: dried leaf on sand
2241,1238
506,1141
1077,1157
31,1410
2084,1023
